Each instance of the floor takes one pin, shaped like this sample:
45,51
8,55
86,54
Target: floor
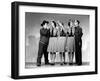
30,65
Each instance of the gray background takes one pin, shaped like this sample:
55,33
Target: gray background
32,28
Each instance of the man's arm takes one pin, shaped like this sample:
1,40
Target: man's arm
81,33
44,32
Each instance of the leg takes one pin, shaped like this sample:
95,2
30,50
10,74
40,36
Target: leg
76,52
51,57
40,53
80,52
61,58
54,56
70,59
64,58
69,56
80,57
45,54
72,55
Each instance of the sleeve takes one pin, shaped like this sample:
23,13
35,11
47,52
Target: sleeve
44,32
48,32
81,33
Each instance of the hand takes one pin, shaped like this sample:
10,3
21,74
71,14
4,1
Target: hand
59,23
48,27
79,44
66,49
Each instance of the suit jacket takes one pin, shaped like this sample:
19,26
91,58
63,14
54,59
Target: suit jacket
78,33
44,35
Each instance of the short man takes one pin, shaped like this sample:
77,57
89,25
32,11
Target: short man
78,43
43,43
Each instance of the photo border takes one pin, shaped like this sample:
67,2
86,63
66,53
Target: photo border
15,39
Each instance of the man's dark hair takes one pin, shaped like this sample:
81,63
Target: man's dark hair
44,22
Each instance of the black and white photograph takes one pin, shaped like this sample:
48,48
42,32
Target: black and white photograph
56,40
51,40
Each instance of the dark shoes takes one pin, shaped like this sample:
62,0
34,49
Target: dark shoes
52,64
64,63
70,63
79,64
38,64
47,63
61,64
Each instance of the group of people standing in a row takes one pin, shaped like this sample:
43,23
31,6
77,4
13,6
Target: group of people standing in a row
55,39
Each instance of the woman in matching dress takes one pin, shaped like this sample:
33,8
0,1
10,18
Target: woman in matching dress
70,44
52,48
61,38
61,42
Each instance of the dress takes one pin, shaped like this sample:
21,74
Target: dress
52,47
57,41
70,40
61,41
70,44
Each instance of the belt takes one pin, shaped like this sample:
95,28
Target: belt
43,43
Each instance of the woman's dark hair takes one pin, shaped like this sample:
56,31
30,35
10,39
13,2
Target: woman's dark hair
68,23
54,23
44,22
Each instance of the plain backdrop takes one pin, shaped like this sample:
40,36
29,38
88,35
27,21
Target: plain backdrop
5,40
32,33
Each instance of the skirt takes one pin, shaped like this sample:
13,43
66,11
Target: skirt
61,44
52,47
70,44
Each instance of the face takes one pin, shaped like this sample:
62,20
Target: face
45,25
71,24
76,23
52,24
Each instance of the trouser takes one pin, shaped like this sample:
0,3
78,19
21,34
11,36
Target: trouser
42,50
78,52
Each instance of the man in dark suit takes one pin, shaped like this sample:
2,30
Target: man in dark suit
43,43
78,43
